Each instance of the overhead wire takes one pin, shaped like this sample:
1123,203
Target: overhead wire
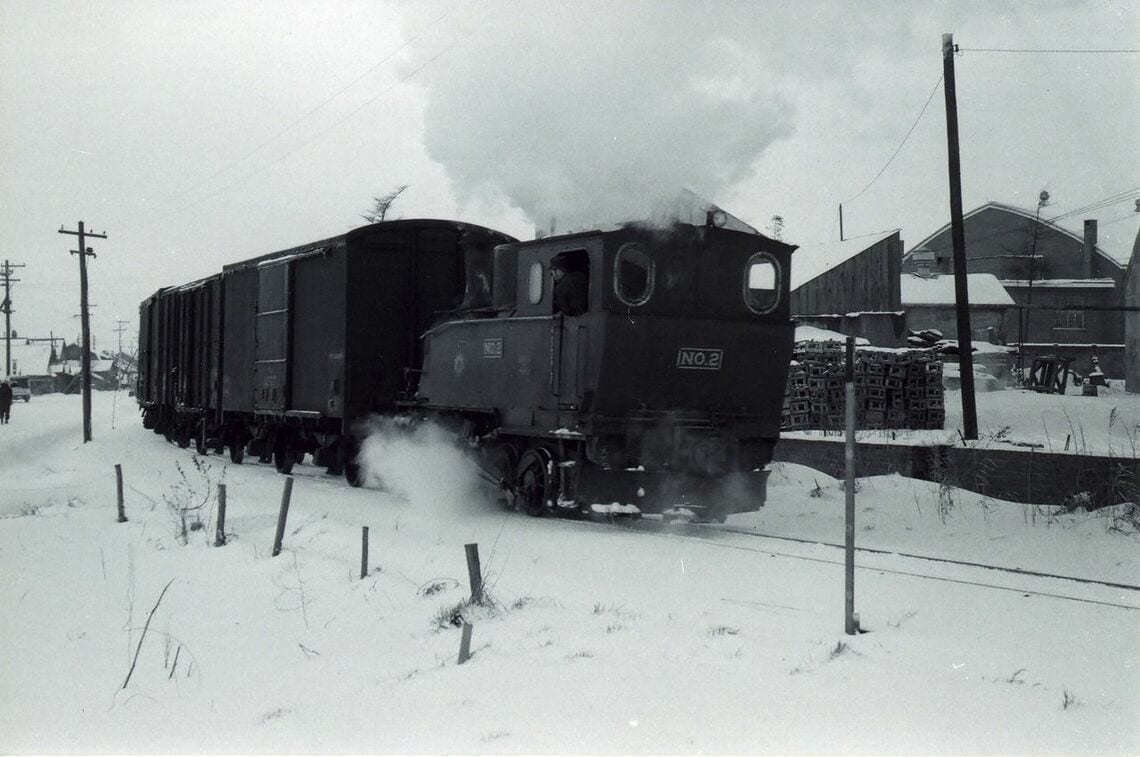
301,118
305,143
904,141
1124,196
1090,51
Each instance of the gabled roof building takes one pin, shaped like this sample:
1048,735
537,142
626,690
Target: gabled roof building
1064,283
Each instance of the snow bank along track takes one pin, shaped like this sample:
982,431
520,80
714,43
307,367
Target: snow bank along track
710,533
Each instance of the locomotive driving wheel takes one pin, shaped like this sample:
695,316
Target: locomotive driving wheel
534,483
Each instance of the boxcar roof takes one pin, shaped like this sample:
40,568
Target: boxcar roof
323,244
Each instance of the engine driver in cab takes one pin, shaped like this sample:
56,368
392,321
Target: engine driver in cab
571,284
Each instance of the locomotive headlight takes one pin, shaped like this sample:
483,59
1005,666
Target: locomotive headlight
717,218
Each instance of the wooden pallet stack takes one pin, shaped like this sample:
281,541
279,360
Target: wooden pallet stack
894,389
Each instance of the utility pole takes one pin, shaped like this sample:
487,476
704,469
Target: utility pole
958,234
120,327
6,307
83,252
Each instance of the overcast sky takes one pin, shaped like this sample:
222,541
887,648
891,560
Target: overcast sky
197,134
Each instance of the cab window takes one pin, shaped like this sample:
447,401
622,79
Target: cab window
761,283
633,274
535,281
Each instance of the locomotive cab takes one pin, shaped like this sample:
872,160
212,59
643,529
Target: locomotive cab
667,385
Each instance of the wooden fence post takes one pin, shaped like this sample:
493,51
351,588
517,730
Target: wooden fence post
363,552
283,515
465,644
474,574
220,536
119,488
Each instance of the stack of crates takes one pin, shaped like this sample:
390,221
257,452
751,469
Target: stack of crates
894,389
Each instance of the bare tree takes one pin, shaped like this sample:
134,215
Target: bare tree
777,227
381,205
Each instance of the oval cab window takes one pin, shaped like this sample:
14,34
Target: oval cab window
534,283
633,274
761,283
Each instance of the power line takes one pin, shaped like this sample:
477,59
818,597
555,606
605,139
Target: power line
266,166
304,115
1028,50
305,143
1125,196
897,149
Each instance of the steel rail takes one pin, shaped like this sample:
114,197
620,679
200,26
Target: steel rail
894,571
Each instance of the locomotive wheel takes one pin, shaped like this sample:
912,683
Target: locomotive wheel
346,453
353,473
533,483
499,463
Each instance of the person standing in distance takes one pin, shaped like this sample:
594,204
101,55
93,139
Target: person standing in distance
5,401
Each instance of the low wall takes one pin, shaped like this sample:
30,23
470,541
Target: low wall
1018,475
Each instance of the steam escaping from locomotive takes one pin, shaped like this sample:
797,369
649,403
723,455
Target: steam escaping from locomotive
421,463
571,115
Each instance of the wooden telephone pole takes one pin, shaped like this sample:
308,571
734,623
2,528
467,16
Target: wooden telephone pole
85,319
958,236
6,308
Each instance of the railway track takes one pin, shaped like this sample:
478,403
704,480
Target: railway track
710,533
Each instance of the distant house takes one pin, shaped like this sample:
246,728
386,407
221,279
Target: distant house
1063,283
930,303
851,287
31,359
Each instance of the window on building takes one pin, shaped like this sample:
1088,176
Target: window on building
1071,319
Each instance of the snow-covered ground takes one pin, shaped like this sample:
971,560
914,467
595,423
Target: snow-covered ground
1105,425
624,638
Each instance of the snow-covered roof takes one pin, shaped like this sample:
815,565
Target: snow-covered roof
812,260
815,334
1115,235
29,359
983,289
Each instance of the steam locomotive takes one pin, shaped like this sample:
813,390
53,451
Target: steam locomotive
665,392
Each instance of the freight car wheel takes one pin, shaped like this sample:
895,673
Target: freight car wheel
237,452
283,456
533,483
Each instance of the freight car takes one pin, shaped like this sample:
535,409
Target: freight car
285,353
661,389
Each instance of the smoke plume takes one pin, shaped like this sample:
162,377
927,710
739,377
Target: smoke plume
582,113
